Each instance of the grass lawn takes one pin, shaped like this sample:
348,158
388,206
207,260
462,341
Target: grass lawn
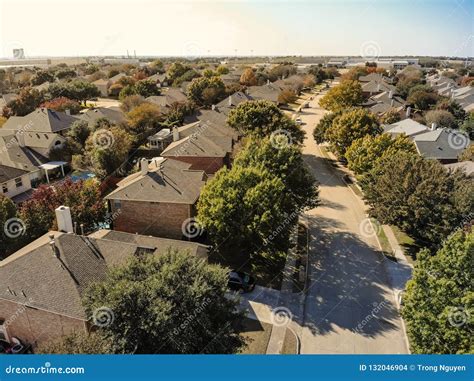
386,248
289,344
408,244
302,250
256,334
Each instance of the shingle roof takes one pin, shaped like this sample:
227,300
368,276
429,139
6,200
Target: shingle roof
199,145
169,181
9,173
441,144
20,157
81,261
407,126
41,120
115,116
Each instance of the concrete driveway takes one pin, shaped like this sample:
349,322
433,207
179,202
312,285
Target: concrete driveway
350,305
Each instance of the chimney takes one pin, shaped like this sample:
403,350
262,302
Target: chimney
433,126
144,167
390,94
230,100
268,81
213,107
175,134
68,111
378,86
63,217
52,245
392,102
408,111
20,138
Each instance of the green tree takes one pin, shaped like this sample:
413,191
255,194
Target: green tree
107,150
221,70
347,94
442,118
79,132
468,125
350,126
8,242
364,153
27,101
287,96
319,132
78,344
262,118
41,77
439,301
241,207
418,195
173,303
422,99
287,163
206,91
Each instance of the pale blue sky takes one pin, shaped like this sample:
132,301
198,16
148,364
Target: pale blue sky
152,27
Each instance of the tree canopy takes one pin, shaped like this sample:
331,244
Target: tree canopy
347,94
262,118
438,302
172,303
206,91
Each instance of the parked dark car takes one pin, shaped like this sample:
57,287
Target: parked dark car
240,281
4,347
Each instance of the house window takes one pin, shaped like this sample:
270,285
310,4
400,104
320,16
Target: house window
18,182
4,188
3,331
117,204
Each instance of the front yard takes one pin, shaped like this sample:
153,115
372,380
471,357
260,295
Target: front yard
256,334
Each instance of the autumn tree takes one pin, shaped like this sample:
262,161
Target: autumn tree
287,96
262,118
10,232
350,126
27,101
347,94
143,121
206,91
442,118
83,197
248,77
62,104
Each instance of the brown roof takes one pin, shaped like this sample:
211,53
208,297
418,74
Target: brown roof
36,277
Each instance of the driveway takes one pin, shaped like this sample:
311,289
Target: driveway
350,305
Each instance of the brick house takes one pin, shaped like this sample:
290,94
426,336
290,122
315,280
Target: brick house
157,199
205,146
37,309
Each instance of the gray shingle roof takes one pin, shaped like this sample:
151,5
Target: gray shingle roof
169,181
114,115
441,144
9,173
41,120
35,277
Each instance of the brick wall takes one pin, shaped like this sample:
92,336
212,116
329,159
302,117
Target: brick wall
36,326
147,218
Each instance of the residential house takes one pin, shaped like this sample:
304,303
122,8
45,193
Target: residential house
442,144
14,181
269,92
36,309
160,140
408,126
381,103
159,79
158,199
104,84
5,99
168,98
204,146
376,87
113,114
